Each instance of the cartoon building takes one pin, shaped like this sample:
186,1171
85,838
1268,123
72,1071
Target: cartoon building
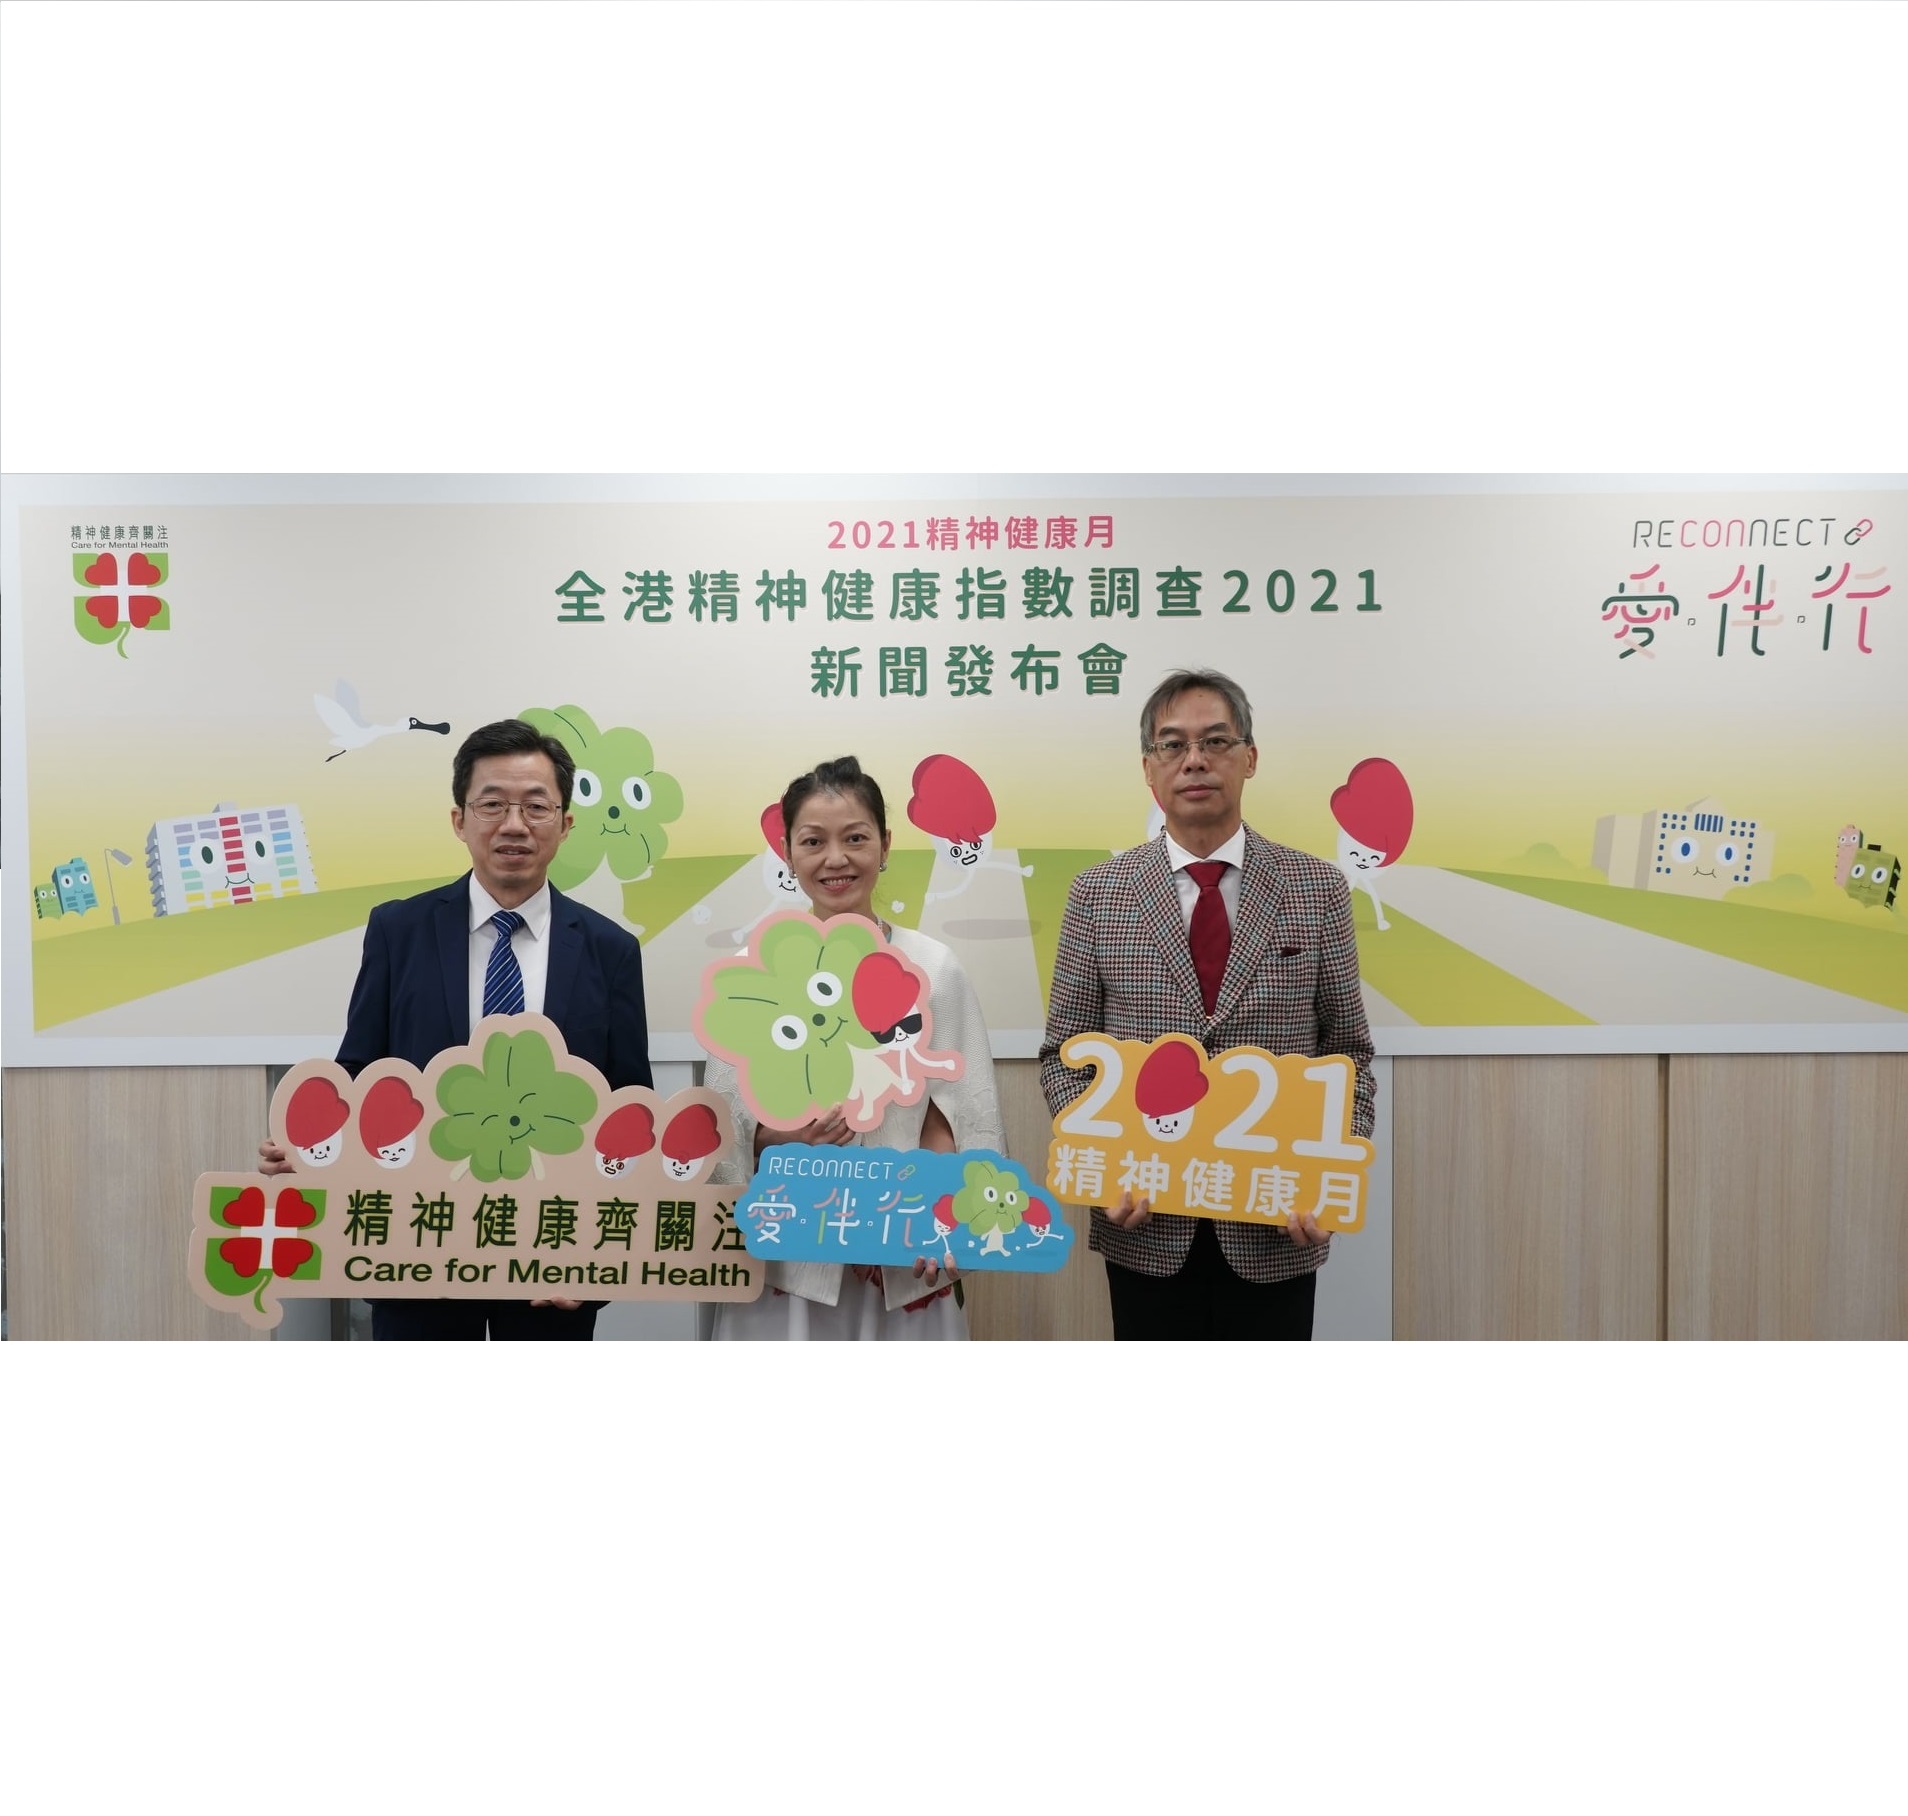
73,885
46,902
1874,876
1695,850
233,855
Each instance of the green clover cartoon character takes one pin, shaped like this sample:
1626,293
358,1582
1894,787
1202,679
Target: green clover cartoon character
519,1106
786,1018
621,800
991,1203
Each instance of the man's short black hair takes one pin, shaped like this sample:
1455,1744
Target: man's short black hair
509,738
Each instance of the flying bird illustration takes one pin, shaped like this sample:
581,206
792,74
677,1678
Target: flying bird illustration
344,718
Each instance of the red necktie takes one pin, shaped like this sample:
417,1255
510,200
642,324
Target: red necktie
1210,934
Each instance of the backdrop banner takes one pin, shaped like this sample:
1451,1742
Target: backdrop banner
1605,771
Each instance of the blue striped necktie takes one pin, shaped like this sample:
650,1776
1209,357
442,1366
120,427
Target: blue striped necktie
503,976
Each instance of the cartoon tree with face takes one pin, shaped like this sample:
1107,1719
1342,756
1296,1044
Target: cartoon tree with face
991,1203
518,1106
786,1017
621,800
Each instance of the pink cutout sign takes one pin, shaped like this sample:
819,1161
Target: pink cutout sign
506,1168
822,1013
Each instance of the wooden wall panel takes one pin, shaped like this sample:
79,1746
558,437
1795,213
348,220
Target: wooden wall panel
99,1172
1788,1195
1527,1197
1069,1304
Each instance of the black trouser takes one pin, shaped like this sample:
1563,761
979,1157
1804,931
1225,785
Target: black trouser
1207,1300
465,1320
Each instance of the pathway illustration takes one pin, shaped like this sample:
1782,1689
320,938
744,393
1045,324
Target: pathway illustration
986,926
1617,975
675,958
1381,1011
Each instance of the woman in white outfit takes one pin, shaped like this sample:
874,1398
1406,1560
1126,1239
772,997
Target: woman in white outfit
837,842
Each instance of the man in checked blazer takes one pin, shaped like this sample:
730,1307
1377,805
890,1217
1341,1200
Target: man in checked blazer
1127,968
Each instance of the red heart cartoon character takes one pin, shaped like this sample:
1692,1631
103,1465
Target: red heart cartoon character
955,808
1168,1089
1039,1222
945,1224
315,1121
692,1136
891,1003
884,994
388,1121
1373,809
623,1137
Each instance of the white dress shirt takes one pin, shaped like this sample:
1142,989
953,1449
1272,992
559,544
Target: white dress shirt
530,942
1231,853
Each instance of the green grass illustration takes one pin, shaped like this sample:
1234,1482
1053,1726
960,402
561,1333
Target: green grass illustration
673,887
1871,963
906,882
1046,889
108,965
678,884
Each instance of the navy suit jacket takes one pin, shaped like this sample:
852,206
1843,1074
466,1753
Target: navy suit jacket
412,997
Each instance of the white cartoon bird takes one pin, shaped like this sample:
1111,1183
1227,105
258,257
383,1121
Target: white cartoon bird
344,719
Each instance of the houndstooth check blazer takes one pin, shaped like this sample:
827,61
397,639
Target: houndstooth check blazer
1125,969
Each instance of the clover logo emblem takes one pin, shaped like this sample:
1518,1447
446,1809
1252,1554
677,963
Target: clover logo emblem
120,604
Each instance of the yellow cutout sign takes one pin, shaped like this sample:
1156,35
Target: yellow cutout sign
1245,1135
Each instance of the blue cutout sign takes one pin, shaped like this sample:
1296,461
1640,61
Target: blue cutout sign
886,1207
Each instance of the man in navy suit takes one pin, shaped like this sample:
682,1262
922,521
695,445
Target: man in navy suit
421,984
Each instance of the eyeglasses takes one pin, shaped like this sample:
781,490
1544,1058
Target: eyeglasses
1171,750
535,813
